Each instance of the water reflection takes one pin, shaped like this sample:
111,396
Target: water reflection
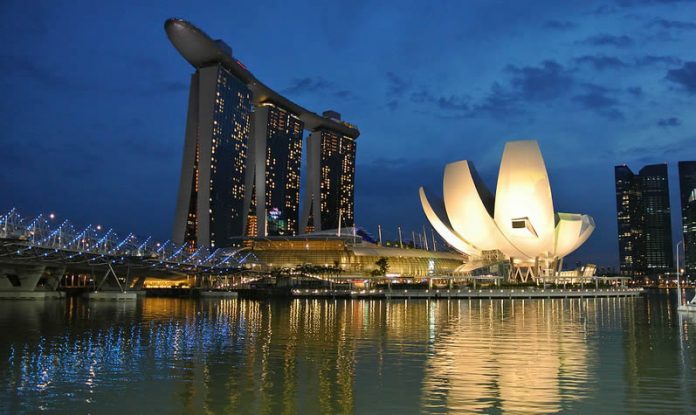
341,356
522,356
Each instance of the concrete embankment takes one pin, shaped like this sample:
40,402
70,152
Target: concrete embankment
493,293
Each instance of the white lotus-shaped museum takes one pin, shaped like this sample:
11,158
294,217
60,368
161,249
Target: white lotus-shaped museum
519,221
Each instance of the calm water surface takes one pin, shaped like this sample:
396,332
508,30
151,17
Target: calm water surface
340,356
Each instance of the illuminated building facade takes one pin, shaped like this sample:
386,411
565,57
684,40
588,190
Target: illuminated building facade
644,225
352,257
277,157
329,199
243,150
518,224
210,207
630,222
687,187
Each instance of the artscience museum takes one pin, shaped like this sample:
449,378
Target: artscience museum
517,225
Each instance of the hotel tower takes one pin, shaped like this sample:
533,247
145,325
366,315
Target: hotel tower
240,172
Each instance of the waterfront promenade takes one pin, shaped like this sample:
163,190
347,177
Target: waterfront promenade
485,293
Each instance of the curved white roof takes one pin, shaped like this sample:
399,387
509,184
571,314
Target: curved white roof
519,221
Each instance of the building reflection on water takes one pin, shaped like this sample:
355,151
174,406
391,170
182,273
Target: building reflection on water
341,356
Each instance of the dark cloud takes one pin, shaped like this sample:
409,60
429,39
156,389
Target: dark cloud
560,25
397,86
422,96
499,102
635,91
545,82
684,76
653,151
600,62
657,59
672,24
453,103
307,85
597,98
634,3
669,122
343,94
605,39
603,10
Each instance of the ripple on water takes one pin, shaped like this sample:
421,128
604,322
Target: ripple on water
341,356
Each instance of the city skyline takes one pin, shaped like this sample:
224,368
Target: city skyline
613,85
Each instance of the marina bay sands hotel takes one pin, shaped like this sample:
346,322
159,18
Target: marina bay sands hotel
240,173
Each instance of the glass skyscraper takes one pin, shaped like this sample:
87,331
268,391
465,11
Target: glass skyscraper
644,220
211,192
278,151
658,225
687,192
330,191
630,222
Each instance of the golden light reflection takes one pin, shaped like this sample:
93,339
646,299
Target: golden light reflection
348,356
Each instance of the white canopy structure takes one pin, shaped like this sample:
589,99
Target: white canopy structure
519,221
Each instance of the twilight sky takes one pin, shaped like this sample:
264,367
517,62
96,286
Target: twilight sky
94,98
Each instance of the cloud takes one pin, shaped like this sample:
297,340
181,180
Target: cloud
653,151
656,59
605,39
672,24
453,103
596,98
635,91
343,94
397,86
547,81
560,25
603,10
422,96
684,76
635,3
600,62
307,85
499,102
527,85
669,122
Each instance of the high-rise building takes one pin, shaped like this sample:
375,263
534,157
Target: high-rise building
243,149
330,190
278,152
644,224
211,207
687,191
630,222
657,214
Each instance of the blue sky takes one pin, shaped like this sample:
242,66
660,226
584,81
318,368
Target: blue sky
94,97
